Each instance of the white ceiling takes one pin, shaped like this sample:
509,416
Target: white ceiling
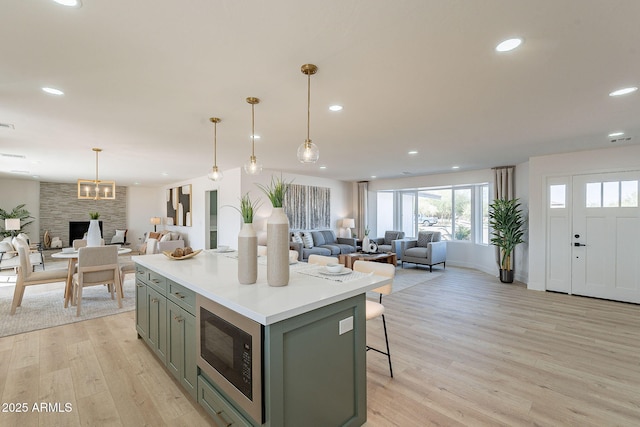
141,79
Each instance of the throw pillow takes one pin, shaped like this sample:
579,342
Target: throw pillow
297,237
424,239
308,240
119,236
7,247
166,237
153,235
389,236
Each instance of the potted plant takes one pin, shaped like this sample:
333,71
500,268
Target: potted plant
247,242
277,233
94,237
19,212
507,224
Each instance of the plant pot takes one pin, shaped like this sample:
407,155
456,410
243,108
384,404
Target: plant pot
247,255
506,276
93,235
278,248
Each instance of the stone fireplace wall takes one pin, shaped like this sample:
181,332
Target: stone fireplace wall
59,204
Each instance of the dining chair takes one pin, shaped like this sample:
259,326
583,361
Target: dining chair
82,243
376,309
97,265
322,259
27,277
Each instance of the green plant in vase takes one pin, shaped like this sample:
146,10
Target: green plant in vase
247,208
94,215
275,191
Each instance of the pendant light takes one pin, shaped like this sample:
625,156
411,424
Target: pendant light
215,174
252,167
308,152
95,189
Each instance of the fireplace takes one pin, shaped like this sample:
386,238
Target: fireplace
78,228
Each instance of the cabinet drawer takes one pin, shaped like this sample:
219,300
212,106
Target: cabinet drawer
222,413
182,296
142,274
158,282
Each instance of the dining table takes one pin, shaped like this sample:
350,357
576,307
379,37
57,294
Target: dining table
72,256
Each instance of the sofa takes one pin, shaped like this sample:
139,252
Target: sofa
320,242
155,243
9,252
427,249
390,242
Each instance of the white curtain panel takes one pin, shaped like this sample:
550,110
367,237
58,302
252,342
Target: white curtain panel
503,188
361,215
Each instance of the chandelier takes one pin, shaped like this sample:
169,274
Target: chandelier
94,189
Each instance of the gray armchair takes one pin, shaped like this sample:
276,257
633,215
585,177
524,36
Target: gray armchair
390,242
427,249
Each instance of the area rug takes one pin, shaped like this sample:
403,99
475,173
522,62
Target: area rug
43,306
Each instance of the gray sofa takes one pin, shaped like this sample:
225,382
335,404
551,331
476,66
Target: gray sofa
427,249
320,242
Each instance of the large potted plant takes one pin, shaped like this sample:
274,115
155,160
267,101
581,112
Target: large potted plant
277,234
507,230
19,212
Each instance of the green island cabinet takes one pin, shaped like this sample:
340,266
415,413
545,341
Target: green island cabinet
312,375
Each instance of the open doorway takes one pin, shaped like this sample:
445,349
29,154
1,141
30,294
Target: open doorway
211,228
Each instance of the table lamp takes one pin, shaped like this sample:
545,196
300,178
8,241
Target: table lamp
155,221
13,225
348,223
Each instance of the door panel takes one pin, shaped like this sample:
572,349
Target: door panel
606,219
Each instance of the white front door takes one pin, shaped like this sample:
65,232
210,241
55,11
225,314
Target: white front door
605,236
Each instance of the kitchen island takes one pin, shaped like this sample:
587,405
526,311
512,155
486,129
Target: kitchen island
313,336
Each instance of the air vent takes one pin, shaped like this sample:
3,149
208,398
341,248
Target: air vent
19,171
7,125
619,140
13,156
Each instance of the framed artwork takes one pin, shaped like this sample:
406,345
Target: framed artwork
307,207
179,205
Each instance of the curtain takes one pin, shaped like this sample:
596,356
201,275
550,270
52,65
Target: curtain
361,217
503,188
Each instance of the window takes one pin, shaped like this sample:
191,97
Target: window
558,196
612,194
459,213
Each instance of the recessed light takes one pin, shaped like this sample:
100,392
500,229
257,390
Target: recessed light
412,152
323,167
616,134
255,136
335,107
373,176
53,91
623,91
69,3
455,167
508,45
164,174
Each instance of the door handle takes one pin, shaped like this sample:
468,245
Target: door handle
579,244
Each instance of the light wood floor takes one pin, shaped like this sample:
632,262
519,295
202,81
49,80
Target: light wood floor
466,350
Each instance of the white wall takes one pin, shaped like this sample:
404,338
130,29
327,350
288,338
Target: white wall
581,162
142,205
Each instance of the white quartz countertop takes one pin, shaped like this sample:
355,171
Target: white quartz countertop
215,276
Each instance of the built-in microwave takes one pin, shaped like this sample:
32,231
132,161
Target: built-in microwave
230,354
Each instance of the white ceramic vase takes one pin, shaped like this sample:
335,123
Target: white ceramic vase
247,255
365,244
93,235
278,248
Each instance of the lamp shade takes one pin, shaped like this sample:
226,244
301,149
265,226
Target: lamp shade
12,224
348,223
155,220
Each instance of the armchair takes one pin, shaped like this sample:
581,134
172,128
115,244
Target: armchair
427,249
390,242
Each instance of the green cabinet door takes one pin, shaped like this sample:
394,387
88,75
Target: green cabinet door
142,310
157,314
181,351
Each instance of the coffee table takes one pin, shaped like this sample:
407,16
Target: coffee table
348,259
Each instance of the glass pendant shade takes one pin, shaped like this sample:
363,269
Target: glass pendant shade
215,174
252,167
308,152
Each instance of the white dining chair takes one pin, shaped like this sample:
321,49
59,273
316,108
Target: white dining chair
376,309
97,265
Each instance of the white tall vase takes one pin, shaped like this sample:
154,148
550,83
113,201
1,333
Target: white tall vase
94,238
278,248
365,244
247,255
